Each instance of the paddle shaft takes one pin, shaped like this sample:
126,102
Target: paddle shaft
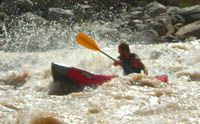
107,55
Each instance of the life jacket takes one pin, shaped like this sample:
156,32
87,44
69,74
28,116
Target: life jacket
131,65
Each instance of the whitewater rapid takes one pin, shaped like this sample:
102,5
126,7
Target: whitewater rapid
122,100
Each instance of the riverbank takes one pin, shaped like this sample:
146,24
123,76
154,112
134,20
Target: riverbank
22,23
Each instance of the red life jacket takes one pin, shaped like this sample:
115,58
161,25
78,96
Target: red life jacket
132,64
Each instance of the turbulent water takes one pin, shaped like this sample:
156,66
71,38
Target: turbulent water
25,80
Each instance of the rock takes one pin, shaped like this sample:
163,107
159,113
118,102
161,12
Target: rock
162,24
190,14
84,8
4,17
150,36
135,15
178,19
189,10
59,14
13,7
170,39
182,3
190,30
155,9
173,10
136,25
178,26
175,17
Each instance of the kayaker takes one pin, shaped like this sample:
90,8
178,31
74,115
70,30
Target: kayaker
130,62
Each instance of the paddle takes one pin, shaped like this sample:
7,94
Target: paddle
89,43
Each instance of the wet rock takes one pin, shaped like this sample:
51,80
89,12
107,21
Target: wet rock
155,9
150,36
190,14
135,15
59,14
136,25
158,27
13,7
178,26
161,24
182,3
84,7
170,39
175,17
4,17
173,10
189,30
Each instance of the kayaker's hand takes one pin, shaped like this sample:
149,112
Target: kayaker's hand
117,63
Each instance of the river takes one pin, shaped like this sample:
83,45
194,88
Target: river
26,81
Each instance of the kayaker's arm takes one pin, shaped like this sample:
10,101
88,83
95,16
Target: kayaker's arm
117,63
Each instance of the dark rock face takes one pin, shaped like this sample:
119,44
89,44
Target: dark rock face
189,30
155,9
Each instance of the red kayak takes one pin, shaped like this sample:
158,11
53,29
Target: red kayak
77,76
76,79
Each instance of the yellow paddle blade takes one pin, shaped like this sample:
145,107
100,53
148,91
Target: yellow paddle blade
86,41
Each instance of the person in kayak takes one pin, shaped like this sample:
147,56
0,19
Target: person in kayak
130,62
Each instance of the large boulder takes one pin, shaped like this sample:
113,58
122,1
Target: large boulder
176,18
155,9
161,24
13,7
190,30
190,14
